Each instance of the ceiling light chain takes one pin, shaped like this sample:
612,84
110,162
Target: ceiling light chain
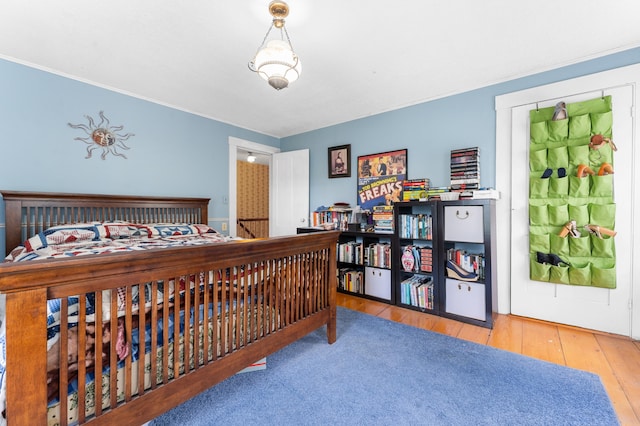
275,60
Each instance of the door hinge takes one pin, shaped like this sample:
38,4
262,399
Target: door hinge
630,304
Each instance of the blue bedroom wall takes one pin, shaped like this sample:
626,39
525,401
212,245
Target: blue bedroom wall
173,153
429,131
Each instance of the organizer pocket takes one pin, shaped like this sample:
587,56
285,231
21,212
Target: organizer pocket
539,271
538,160
599,156
558,187
578,154
558,157
558,215
538,188
539,243
603,276
558,245
603,215
580,275
538,215
601,123
539,132
580,247
578,187
603,247
558,130
580,214
579,126
559,274
602,186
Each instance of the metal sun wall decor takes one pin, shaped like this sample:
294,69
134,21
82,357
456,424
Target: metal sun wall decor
102,136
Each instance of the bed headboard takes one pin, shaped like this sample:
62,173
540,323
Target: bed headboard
27,213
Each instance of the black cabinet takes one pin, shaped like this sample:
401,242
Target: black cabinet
444,258
440,260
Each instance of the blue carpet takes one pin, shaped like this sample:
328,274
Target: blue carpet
384,373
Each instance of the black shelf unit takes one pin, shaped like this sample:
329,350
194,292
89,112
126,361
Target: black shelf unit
379,278
465,225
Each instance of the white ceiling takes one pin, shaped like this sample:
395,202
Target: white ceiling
359,57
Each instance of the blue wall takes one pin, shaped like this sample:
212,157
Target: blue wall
177,153
173,153
429,131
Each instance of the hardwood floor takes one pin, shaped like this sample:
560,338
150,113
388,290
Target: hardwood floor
614,358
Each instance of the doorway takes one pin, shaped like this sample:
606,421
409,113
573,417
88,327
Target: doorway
238,152
252,195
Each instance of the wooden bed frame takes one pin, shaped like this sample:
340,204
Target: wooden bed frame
301,288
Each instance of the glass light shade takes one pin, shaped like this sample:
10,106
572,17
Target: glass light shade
277,64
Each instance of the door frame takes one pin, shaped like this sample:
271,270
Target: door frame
236,145
503,105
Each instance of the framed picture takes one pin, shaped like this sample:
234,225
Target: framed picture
380,178
339,161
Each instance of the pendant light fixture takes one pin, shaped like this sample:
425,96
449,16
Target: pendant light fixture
275,61
251,158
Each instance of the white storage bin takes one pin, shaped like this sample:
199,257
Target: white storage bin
464,224
465,299
377,282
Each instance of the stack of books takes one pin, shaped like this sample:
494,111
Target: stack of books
417,291
465,169
383,219
350,280
351,252
433,193
416,226
415,189
378,255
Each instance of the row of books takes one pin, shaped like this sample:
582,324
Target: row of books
465,168
338,216
470,262
415,189
417,290
374,254
350,280
419,226
383,219
417,259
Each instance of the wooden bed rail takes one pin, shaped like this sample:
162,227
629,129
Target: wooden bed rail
28,286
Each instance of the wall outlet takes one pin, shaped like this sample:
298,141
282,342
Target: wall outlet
224,226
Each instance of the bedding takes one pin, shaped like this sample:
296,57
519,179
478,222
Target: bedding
98,238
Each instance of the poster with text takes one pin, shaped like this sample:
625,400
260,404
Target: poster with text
380,178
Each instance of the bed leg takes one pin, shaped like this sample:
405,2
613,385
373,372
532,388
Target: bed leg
331,325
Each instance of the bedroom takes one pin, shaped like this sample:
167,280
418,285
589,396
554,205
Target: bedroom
170,144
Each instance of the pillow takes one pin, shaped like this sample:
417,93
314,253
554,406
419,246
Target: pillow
63,234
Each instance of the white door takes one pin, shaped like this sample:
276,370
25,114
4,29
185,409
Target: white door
289,200
594,308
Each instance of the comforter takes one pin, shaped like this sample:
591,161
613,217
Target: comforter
99,238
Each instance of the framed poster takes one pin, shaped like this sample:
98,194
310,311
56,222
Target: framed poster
380,178
339,161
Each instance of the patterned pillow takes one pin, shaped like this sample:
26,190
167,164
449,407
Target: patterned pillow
63,234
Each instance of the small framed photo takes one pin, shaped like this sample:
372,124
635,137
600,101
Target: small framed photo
339,161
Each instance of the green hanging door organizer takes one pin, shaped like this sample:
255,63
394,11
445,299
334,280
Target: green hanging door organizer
571,204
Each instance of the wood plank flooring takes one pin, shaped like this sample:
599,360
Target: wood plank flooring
615,359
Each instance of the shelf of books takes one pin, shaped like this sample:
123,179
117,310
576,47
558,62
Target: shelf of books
364,264
414,239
